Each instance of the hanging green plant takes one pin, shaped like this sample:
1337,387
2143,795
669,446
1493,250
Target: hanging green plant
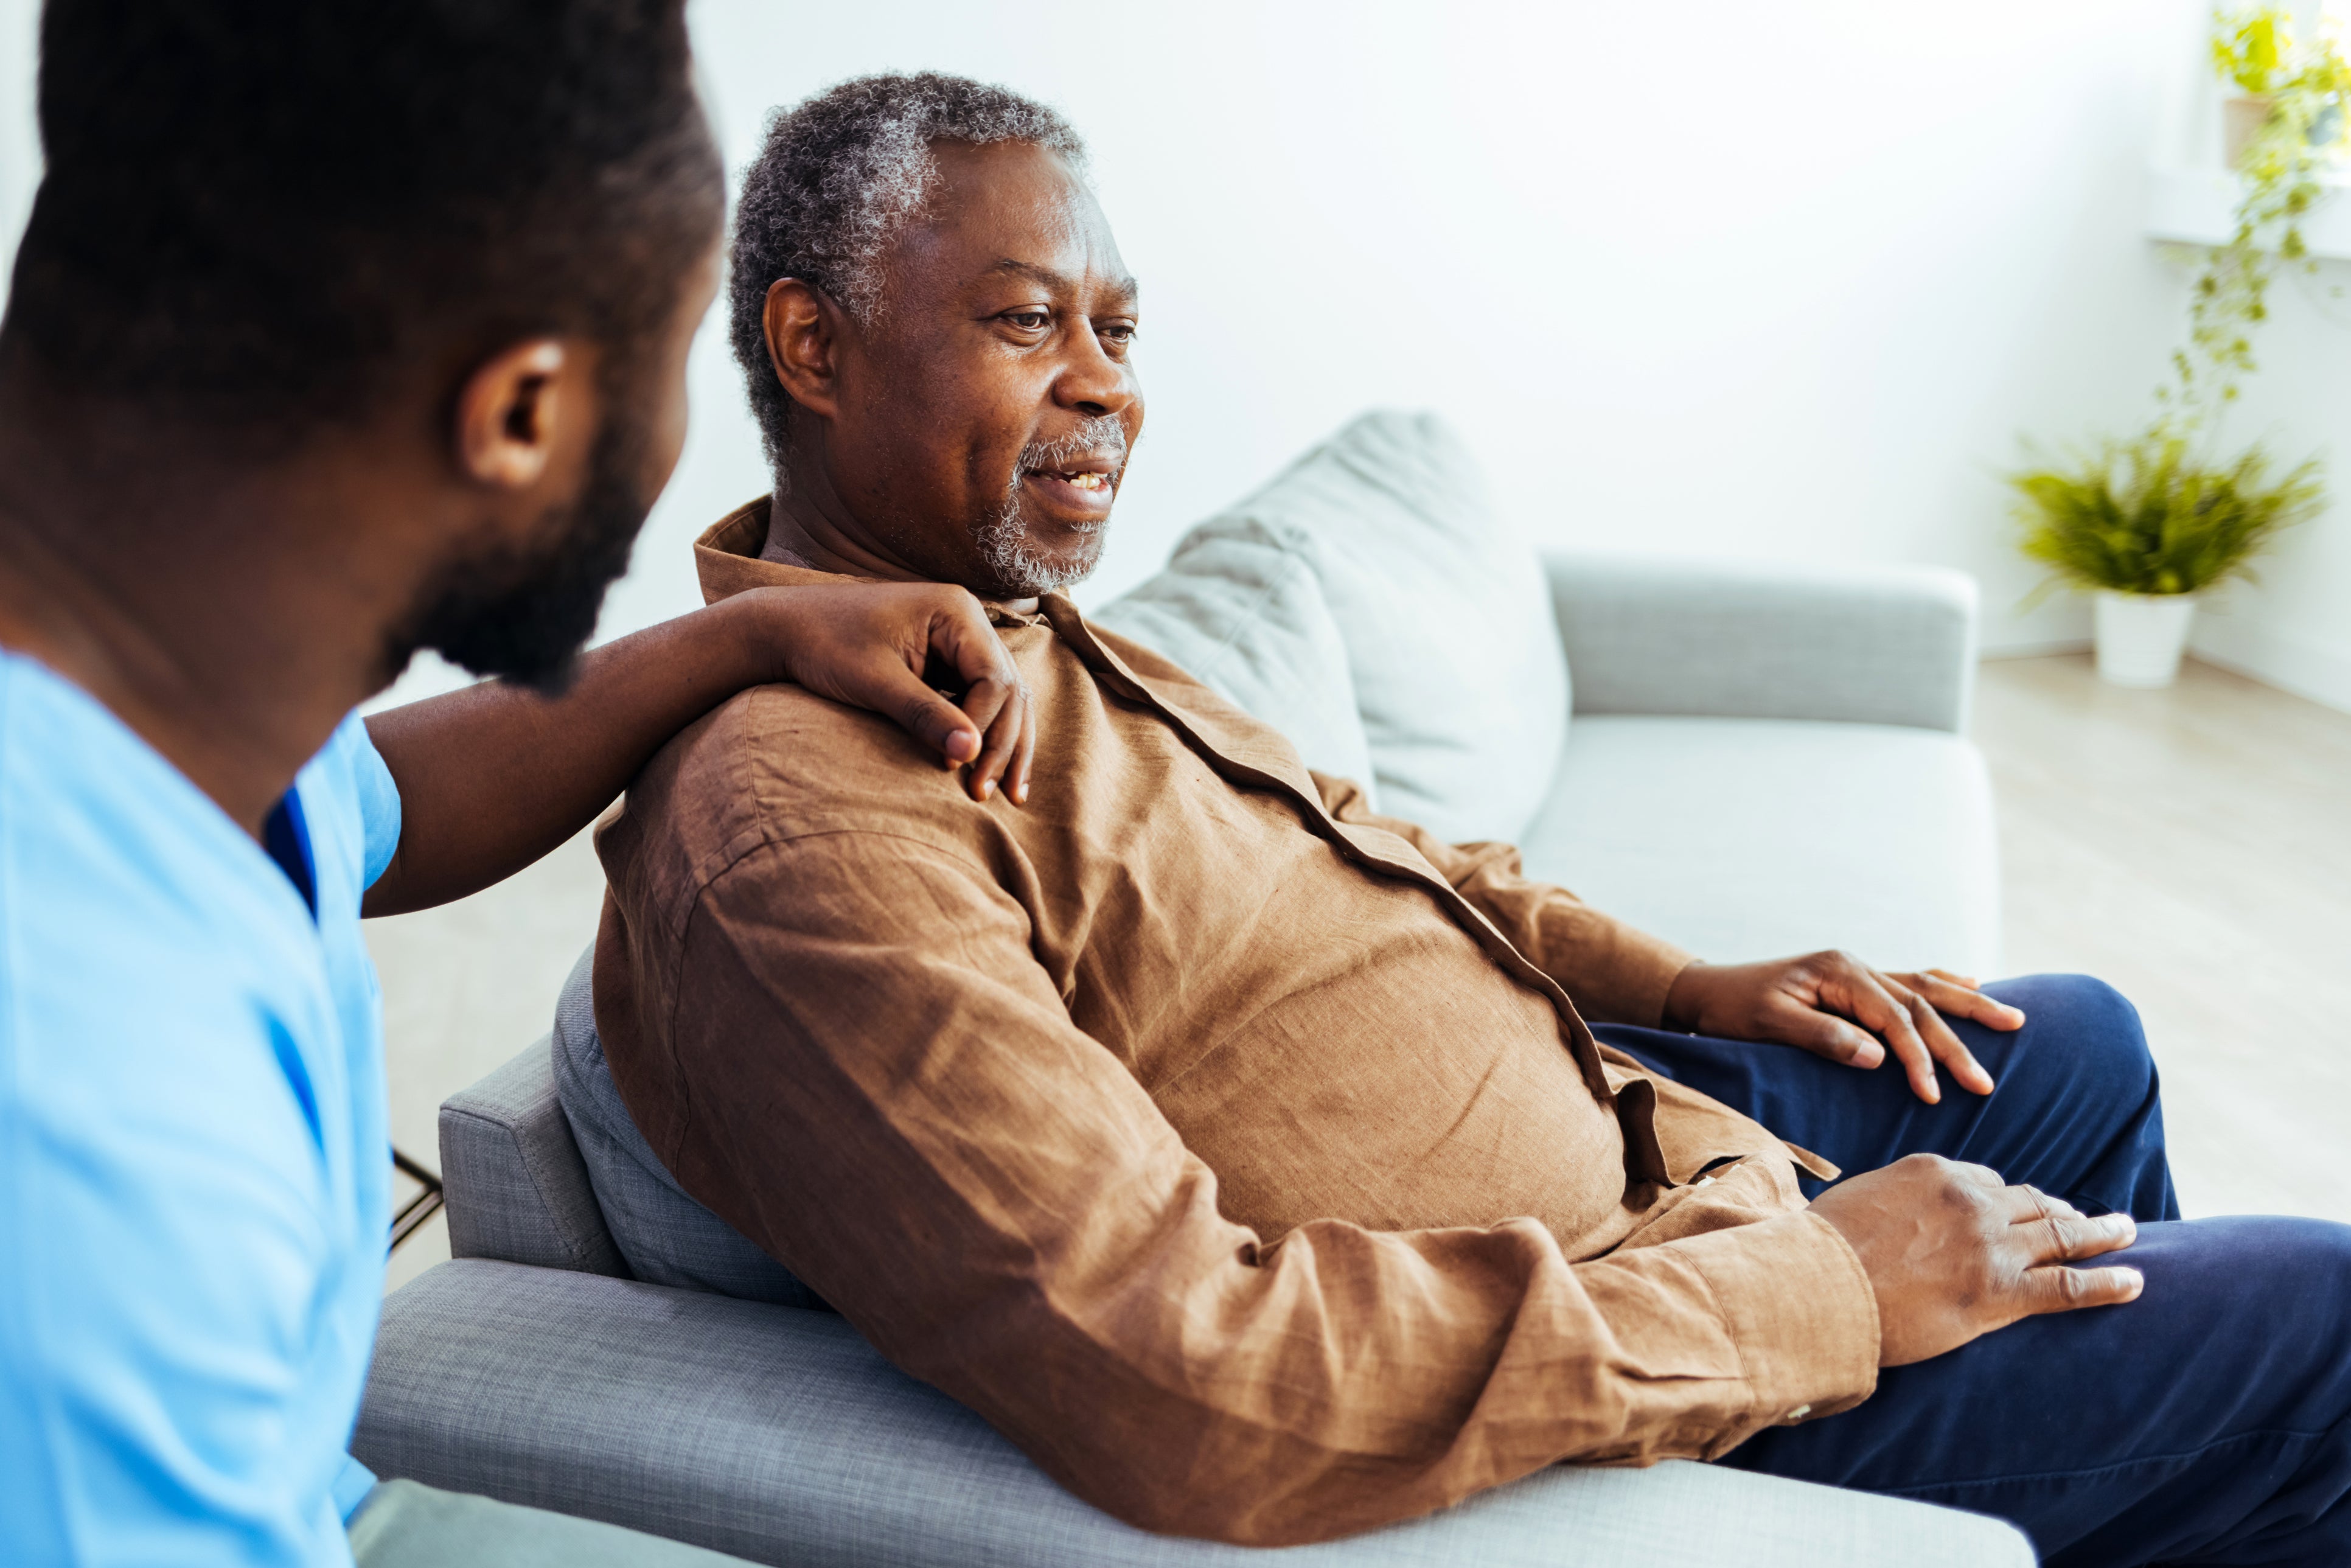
2160,517
2298,93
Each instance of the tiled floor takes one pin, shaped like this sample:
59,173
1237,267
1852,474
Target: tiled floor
2193,846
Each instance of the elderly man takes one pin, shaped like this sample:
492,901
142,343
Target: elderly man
1249,1159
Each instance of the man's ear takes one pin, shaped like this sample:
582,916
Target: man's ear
518,411
801,324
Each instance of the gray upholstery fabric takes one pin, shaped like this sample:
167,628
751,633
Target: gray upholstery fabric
515,1187
780,1436
1744,838
1871,644
667,1237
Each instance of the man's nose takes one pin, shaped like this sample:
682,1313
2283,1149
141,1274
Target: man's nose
1092,382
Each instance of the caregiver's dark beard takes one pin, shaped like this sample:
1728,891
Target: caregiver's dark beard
524,614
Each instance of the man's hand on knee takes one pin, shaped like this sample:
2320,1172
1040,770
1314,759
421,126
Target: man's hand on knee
1953,1253
1834,1005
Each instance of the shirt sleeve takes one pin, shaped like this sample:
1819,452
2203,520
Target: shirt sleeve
378,799
1614,973
854,1058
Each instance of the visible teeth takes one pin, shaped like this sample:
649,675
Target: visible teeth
1089,481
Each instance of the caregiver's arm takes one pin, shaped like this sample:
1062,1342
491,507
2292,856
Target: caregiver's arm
493,777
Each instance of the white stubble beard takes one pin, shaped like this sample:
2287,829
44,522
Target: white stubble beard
1001,537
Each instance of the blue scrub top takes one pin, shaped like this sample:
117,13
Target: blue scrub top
194,1182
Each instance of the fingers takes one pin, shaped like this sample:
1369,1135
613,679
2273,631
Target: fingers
922,712
2055,1234
1945,1046
1011,704
2069,1237
996,702
1877,1009
2030,1203
1962,998
1025,753
2055,1231
2059,1288
961,636
1823,1034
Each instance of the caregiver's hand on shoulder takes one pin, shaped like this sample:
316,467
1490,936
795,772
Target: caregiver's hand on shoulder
1834,1005
891,647
1952,1253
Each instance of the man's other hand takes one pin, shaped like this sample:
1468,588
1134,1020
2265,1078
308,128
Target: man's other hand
1834,1004
1952,1253
869,645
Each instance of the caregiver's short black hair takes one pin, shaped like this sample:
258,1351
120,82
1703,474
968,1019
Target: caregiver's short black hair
267,212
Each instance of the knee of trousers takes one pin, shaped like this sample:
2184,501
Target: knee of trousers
2081,1030
2265,1298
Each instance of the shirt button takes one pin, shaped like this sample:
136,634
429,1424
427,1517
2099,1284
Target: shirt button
1799,1413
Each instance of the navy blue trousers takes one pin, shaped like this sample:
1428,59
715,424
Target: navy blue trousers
2207,1422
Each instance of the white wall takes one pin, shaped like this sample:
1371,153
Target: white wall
1785,281
2293,629
20,149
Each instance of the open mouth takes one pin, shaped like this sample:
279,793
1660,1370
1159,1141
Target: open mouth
1086,485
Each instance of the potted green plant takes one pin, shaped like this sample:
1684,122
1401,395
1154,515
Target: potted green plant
2147,527
2255,52
2248,57
2150,523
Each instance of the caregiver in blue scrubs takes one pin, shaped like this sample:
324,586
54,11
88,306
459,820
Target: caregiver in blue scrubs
337,334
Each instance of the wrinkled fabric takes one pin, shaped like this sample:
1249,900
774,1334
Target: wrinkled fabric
2076,1106
1242,1155
2155,1432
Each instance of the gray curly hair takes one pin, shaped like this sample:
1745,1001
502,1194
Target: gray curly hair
838,176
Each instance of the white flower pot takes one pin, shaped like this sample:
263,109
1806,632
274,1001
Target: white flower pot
2140,636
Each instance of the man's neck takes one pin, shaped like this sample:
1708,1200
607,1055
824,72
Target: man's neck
232,656
809,526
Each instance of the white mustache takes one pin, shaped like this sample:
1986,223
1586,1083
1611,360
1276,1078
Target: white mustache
1101,436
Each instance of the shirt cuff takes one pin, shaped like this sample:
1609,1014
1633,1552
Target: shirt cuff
1646,968
1799,1306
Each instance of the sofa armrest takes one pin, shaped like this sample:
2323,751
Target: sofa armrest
516,1187
1884,645
778,1435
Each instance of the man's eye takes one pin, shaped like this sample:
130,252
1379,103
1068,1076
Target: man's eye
1028,320
1119,332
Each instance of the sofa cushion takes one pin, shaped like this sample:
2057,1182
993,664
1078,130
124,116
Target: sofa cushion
1443,614
667,1237
1243,614
1741,838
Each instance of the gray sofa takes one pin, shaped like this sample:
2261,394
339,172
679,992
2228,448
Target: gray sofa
1762,760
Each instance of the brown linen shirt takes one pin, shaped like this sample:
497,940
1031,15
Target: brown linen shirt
1237,1153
